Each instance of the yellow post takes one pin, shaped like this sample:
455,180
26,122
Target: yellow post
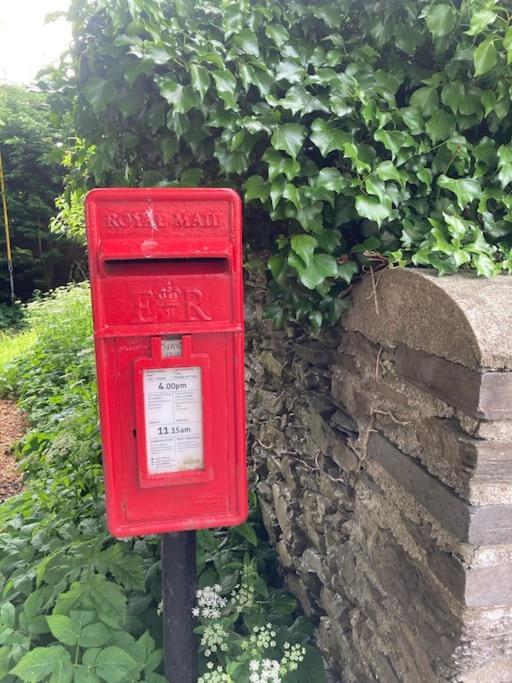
6,227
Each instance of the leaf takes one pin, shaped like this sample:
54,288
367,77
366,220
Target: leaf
466,189
277,33
441,125
441,20
373,209
114,665
225,83
247,41
507,44
99,93
62,629
328,138
41,662
247,531
480,21
426,99
84,674
320,267
292,195
127,568
181,98
289,137
95,635
485,57
256,188
108,600
200,79
452,95
386,170
331,179
304,246
290,71
280,165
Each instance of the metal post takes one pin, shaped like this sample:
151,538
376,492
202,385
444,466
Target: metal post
179,585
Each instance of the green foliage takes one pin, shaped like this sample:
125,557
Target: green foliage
77,605
341,122
31,150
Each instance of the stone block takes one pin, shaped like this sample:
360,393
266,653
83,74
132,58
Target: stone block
486,524
486,395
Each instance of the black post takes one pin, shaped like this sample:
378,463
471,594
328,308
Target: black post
179,585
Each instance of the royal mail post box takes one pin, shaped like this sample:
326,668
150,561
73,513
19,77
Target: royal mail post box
166,280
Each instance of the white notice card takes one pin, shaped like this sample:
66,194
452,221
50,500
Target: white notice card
174,420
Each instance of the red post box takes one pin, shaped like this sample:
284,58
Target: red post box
166,280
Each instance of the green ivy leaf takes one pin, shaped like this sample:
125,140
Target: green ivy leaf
452,95
327,137
181,98
225,83
247,41
320,267
465,189
256,188
441,20
304,246
277,33
480,20
280,165
386,170
331,179
200,79
289,137
99,93
426,99
373,209
485,57
441,125
290,71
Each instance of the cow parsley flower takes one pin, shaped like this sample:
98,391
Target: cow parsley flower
209,602
216,676
214,638
293,656
264,671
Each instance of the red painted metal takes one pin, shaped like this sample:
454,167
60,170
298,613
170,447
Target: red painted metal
166,268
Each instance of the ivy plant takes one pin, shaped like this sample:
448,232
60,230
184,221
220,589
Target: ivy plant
355,130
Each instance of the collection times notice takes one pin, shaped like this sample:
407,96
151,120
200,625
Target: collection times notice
174,420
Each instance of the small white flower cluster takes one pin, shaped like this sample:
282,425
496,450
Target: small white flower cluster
209,602
216,676
293,656
264,671
215,638
243,596
261,638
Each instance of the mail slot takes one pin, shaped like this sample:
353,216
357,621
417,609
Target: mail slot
166,282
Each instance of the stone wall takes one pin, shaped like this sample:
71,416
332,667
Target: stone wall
384,459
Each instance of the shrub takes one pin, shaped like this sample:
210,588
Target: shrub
355,129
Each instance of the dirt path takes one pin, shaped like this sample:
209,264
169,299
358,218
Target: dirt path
12,428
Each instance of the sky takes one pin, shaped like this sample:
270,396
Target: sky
26,43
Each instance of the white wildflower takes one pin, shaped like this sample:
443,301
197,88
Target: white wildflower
264,671
214,638
217,676
209,602
293,656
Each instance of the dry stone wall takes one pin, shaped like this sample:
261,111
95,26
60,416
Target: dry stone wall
382,454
